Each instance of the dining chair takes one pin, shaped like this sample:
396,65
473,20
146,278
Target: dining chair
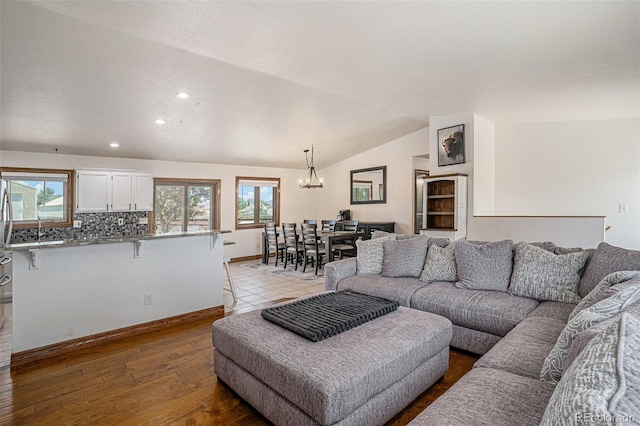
313,250
272,242
348,246
329,225
310,221
293,246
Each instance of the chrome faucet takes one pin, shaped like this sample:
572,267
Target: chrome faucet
41,233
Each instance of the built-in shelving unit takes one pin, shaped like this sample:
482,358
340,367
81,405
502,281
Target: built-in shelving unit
445,209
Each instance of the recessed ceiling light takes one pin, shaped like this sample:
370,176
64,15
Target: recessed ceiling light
160,121
182,95
114,144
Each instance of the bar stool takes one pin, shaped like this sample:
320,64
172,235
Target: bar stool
225,263
232,287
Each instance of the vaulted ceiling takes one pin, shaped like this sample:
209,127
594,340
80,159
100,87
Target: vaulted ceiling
268,79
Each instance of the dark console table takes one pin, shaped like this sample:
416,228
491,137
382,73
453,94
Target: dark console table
369,227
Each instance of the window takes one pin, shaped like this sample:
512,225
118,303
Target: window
257,201
362,190
40,196
185,205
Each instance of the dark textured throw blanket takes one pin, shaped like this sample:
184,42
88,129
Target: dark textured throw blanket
328,314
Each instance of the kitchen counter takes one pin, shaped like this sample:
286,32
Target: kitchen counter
79,289
86,241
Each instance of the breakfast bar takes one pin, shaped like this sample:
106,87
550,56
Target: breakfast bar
68,290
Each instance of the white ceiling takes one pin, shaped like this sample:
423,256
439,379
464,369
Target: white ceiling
268,79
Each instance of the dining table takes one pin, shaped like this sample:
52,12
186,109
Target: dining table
329,237
326,237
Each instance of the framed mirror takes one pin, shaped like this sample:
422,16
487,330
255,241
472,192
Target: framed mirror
369,186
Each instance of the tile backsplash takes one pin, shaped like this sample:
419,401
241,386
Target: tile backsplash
94,225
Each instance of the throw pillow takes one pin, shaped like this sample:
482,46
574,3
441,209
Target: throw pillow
370,255
440,264
554,364
602,382
484,267
605,260
542,275
380,234
547,245
404,258
440,242
594,296
567,250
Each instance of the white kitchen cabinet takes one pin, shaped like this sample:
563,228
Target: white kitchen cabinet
92,191
113,191
142,191
121,192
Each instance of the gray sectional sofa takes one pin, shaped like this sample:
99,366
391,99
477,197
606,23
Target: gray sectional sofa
558,328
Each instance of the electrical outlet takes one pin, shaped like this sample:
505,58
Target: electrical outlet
148,299
77,224
143,221
120,221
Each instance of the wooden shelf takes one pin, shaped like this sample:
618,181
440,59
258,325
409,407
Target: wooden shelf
440,197
443,212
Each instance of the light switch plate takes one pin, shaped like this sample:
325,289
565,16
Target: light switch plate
77,223
143,221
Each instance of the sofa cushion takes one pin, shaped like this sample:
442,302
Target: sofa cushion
370,255
485,396
523,350
484,267
556,310
440,264
603,384
472,340
595,295
404,258
493,312
396,289
543,275
605,260
554,364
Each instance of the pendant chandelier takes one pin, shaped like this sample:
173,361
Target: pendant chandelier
311,179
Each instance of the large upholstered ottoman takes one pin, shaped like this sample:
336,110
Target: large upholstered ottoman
363,376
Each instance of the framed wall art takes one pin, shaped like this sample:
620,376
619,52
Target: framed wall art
451,145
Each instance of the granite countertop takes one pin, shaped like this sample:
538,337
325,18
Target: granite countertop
132,238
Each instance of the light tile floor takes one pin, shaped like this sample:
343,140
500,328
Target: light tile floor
255,287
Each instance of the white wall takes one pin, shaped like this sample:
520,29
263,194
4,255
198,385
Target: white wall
572,168
296,204
398,156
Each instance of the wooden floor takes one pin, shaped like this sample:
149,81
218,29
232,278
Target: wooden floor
165,377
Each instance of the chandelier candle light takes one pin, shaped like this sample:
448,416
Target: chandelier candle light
311,180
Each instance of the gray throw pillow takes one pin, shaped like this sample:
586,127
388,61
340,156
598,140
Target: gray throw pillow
610,280
380,234
547,245
554,363
404,258
440,264
484,267
602,383
370,255
440,242
605,260
542,275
